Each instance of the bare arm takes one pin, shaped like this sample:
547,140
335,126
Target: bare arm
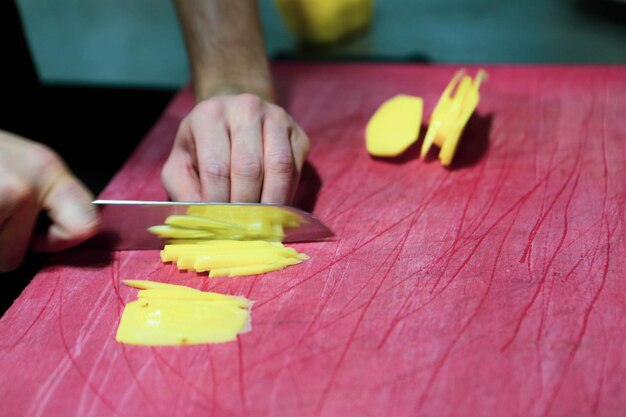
225,47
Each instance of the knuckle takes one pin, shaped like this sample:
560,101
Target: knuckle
45,160
249,100
280,163
15,191
209,109
247,167
217,171
279,113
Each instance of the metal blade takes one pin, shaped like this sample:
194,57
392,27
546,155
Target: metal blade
125,223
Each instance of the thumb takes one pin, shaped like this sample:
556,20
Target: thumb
73,217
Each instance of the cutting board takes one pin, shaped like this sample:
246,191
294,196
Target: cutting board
494,288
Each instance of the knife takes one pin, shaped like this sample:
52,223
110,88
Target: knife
125,223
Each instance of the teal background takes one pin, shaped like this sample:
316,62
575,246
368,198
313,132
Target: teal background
138,42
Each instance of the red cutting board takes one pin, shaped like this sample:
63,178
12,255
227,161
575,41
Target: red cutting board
496,288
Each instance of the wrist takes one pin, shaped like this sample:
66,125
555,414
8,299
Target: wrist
209,90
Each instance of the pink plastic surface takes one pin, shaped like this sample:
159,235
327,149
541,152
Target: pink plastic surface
496,288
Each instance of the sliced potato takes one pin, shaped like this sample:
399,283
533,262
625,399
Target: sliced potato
197,222
167,314
206,263
193,295
395,126
151,285
162,322
451,114
252,269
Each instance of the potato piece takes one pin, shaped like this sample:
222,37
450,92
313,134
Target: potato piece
167,314
172,232
206,263
197,222
446,154
247,215
186,262
237,222
230,255
252,269
451,114
240,302
161,322
237,237
395,126
150,285
325,21
172,252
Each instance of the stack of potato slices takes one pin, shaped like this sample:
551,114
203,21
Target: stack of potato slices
171,315
240,240
395,126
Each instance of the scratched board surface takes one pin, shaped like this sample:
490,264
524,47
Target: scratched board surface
495,288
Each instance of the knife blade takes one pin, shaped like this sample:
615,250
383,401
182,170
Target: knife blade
125,223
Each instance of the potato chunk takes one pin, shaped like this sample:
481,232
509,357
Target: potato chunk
325,21
395,126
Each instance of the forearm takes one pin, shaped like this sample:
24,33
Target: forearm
225,47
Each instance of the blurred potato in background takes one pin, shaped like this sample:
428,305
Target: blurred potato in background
325,21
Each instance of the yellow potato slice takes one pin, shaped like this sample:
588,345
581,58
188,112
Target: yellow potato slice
172,252
151,289
395,126
197,222
240,302
167,314
245,215
186,262
161,322
252,269
172,232
152,285
237,222
440,113
448,148
206,263
451,114
227,256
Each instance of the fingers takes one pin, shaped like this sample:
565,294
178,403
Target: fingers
300,146
73,216
279,166
18,211
236,148
33,178
180,172
210,136
247,149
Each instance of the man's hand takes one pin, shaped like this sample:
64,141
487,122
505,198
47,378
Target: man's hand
33,178
236,148
235,145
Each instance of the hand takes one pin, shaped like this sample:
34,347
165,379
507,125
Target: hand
236,148
33,178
